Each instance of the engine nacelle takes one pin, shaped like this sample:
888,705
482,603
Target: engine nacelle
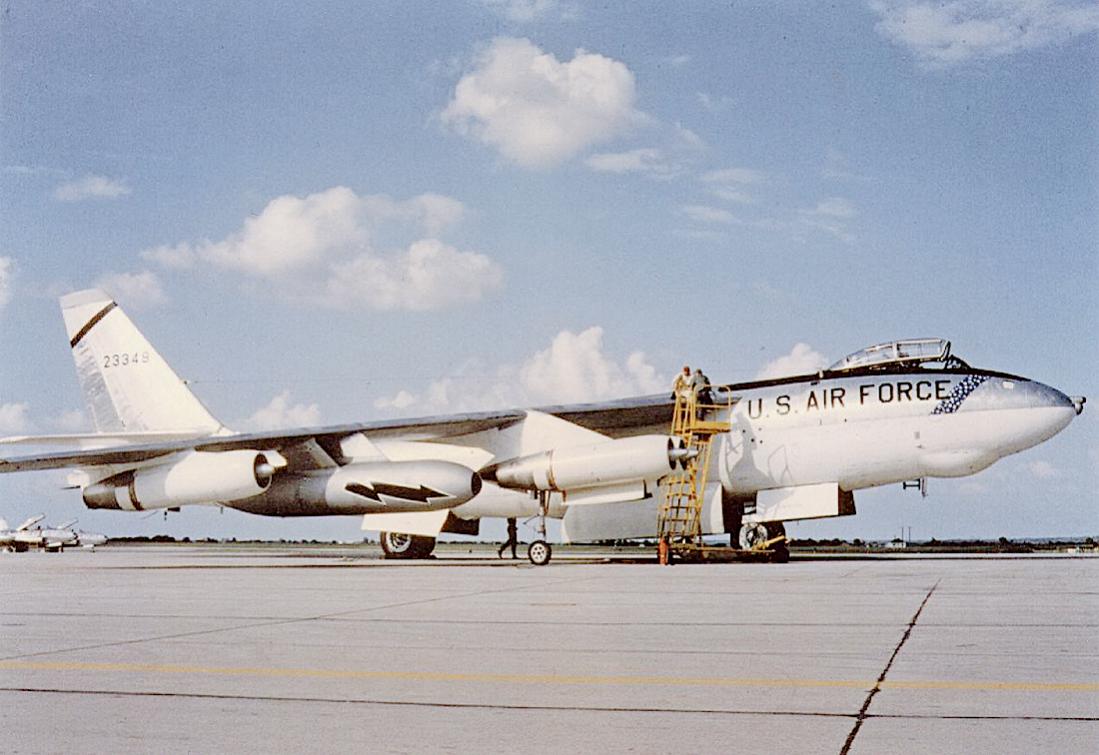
646,457
368,488
196,477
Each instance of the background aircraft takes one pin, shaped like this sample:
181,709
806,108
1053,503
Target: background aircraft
797,447
54,539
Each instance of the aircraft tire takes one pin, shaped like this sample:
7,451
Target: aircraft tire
781,554
400,545
539,552
750,534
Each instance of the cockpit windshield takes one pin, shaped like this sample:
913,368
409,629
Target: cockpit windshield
909,352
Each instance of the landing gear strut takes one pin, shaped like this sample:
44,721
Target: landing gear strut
539,552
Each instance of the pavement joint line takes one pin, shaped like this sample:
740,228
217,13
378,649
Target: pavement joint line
562,679
881,678
342,617
516,706
427,704
200,632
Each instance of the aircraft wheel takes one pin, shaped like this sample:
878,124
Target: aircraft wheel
400,545
781,554
751,535
539,552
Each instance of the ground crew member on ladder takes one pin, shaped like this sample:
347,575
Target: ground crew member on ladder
513,538
700,384
681,387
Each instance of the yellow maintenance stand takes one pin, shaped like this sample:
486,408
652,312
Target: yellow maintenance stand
680,518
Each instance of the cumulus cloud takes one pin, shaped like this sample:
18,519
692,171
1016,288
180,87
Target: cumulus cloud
280,414
292,232
428,275
13,418
528,11
573,368
138,290
327,244
538,111
402,400
72,421
90,187
802,360
7,269
942,34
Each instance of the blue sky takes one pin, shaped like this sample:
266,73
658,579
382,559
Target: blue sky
338,211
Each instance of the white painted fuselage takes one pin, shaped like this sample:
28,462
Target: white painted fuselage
869,430
855,431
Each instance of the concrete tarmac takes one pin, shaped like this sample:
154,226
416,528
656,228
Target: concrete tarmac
200,649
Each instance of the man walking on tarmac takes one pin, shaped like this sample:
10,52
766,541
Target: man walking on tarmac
513,538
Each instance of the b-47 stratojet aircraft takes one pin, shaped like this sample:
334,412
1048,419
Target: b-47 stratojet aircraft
796,448
52,539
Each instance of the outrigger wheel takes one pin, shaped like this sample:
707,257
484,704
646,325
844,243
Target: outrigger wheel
539,552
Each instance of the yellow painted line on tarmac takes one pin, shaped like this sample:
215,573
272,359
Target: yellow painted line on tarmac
442,676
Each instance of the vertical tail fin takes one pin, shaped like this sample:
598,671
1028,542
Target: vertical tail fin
127,385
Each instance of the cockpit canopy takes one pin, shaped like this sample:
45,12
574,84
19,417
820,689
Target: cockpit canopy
906,353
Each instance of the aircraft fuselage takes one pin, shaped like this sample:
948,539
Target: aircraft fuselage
864,430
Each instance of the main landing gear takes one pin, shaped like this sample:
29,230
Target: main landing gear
539,552
400,545
763,536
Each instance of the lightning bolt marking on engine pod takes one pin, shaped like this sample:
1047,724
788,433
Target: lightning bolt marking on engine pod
375,490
